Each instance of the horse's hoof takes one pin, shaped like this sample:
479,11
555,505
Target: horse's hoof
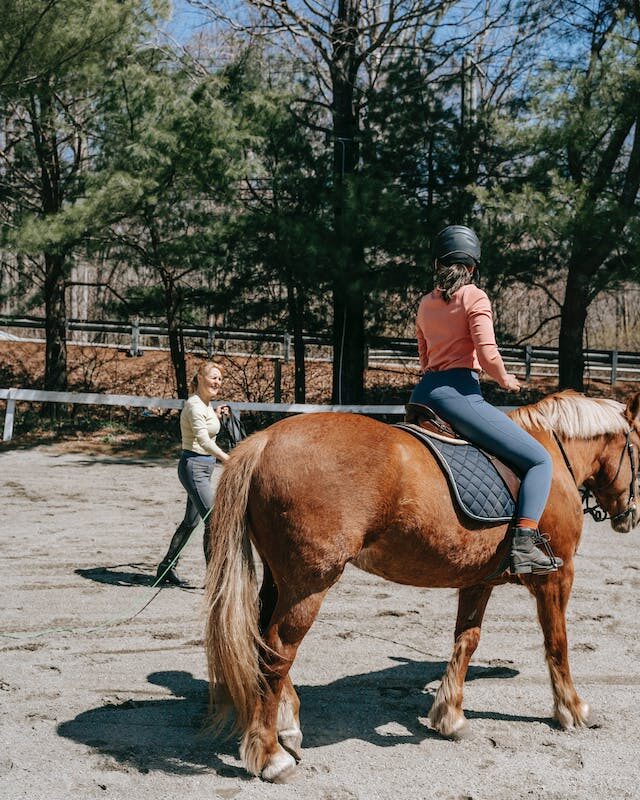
571,718
280,768
463,732
449,724
291,740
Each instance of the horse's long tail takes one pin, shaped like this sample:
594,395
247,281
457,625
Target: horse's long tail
232,639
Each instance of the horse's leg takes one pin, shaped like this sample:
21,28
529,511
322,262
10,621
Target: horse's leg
446,715
552,596
288,725
268,598
260,749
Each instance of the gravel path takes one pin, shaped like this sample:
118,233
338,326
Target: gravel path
117,712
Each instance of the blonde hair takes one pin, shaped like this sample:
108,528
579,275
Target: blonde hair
204,368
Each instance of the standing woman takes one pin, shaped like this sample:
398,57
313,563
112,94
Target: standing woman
456,342
199,426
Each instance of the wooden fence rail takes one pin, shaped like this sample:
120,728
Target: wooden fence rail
530,360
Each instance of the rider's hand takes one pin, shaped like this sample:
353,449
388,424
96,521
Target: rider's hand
222,411
512,383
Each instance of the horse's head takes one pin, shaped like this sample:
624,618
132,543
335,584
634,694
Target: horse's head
615,483
603,437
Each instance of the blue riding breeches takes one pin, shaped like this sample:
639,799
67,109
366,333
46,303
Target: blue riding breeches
455,395
194,472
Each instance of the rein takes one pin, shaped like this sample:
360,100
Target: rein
596,511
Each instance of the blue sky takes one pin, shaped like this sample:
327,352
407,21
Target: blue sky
185,20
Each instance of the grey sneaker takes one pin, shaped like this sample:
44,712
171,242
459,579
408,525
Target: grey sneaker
527,557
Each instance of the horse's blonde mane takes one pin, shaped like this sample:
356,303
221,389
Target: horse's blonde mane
574,416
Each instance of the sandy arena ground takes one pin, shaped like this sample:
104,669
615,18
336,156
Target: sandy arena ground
117,712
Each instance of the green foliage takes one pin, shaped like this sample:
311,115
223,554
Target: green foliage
69,44
282,238
561,194
214,191
56,58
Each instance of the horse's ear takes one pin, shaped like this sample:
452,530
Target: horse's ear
632,411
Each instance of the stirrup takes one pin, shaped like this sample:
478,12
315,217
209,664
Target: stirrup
531,568
544,540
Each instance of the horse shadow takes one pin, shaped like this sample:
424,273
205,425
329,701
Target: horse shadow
170,734
167,735
385,707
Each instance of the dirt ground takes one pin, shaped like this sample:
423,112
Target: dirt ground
117,711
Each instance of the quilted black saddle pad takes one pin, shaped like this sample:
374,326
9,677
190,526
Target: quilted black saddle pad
476,485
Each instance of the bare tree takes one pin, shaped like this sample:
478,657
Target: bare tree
342,46
344,49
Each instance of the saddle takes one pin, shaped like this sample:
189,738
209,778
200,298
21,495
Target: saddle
483,486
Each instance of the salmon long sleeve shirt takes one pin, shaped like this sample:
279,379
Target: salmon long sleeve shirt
459,333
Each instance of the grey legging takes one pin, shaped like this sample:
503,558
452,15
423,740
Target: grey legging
194,472
456,396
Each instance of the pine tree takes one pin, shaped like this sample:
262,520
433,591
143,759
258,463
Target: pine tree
55,58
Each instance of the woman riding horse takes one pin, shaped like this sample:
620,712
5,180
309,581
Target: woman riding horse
315,492
455,342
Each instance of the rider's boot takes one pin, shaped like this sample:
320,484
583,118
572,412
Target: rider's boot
166,571
168,575
527,557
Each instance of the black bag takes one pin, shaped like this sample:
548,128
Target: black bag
233,428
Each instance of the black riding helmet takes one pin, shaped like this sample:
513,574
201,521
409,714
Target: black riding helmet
457,244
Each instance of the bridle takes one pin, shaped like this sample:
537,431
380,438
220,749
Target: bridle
596,511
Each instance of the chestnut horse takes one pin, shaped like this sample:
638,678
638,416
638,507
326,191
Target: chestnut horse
318,491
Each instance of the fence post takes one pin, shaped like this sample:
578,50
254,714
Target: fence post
287,347
135,337
614,366
366,356
210,337
277,380
9,415
527,362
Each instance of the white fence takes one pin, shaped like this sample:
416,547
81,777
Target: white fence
12,396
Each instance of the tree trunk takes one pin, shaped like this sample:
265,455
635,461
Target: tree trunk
176,339
348,341
349,268
176,345
55,372
42,118
572,322
295,302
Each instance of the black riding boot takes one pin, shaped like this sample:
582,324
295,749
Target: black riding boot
206,544
527,557
171,577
